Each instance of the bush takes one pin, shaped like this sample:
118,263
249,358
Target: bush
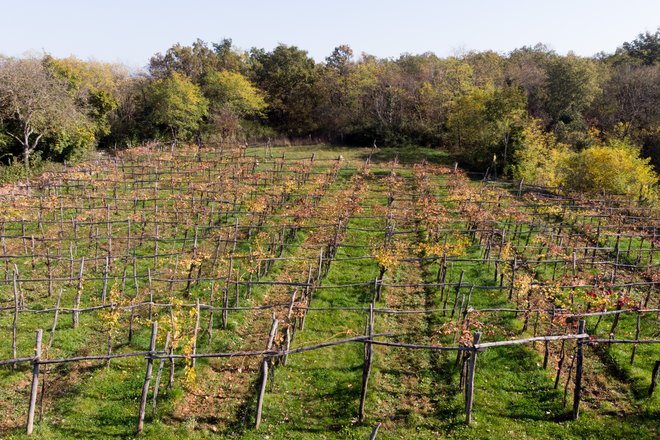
615,167
540,159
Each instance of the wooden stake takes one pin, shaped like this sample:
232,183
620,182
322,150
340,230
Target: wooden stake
15,322
637,331
78,293
35,383
106,272
195,332
264,373
374,432
458,289
151,295
368,359
158,375
147,377
469,386
578,372
654,377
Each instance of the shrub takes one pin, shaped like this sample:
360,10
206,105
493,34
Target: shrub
615,167
540,158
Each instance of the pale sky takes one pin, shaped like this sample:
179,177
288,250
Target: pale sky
131,31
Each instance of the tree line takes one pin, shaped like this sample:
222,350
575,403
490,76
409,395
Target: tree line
562,120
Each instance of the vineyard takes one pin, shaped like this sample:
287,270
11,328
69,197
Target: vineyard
265,291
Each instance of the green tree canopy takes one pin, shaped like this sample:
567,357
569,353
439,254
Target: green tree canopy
289,77
234,92
177,104
645,49
571,86
232,98
36,106
197,60
540,158
93,85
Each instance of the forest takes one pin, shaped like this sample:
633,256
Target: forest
529,114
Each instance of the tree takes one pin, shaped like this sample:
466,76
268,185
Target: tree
631,96
93,85
34,104
381,95
193,61
177,104
526,68
505,110
645,49
228,57
481,123
540,158
488,68
340,59
231,98
289,77
467,127
129,122
572,85
235,92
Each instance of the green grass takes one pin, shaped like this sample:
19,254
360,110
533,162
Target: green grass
414,393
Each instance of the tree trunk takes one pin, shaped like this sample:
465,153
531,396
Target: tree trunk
26,158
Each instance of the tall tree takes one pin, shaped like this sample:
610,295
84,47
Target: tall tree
177,104
505,111
228,57
572,84
645,49
232,97
193,61
289,77
93,85
340,59
34,104
526,68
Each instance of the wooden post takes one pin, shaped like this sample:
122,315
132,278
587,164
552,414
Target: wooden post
158,375
225,294
106,272
195,332
290,329
578,372
616,257
654,377
76,305
368,358
514,266
264,372
35,383
151,295
209,329
597,244
319,275
15,321
637,331
55,316
147,376
458,289
374,432
574,264
469,386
